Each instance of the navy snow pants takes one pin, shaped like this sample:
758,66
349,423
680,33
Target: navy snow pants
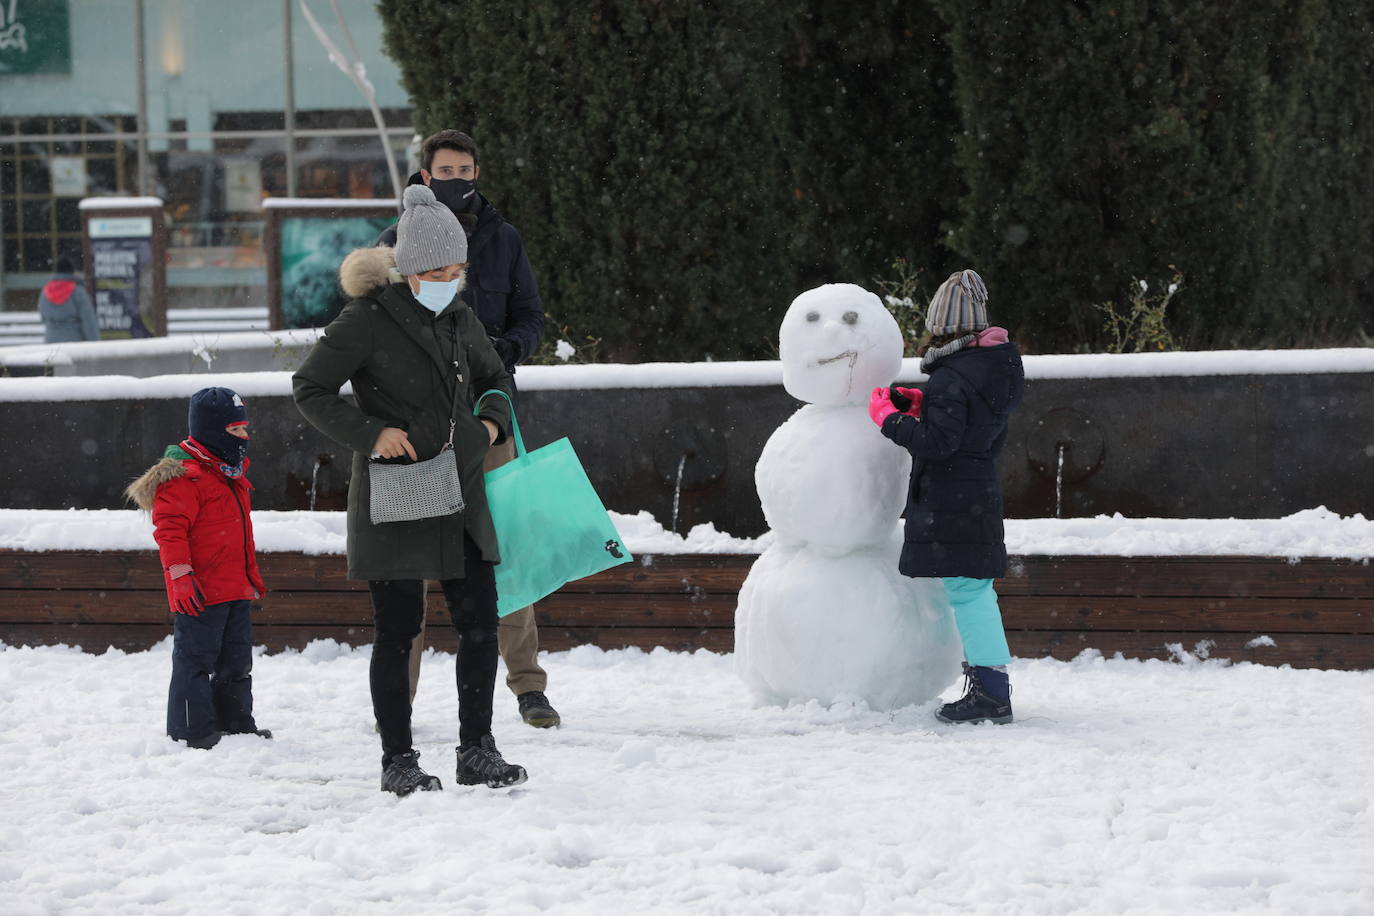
212,680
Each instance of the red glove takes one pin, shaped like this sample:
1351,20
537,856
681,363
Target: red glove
908,400
880,406
185,597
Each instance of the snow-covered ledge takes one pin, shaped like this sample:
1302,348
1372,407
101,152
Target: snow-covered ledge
326,203
119,203
1313,533
637,376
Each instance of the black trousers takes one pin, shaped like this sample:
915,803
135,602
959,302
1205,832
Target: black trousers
398,606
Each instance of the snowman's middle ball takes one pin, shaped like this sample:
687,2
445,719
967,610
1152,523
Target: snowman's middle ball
837,344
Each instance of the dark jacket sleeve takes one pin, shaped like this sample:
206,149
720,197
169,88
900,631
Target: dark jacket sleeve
90,327
524,309
944,417
488,372
343,350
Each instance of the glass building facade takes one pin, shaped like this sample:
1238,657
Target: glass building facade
209,105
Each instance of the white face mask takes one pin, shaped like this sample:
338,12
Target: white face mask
435,295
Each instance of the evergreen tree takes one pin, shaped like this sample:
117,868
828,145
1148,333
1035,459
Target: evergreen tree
635,145
681,172
1105,142
871,139
1322,291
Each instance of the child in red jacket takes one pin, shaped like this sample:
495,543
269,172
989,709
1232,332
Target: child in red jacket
199,499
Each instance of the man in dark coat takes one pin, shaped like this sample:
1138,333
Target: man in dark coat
417,359
955,432
501,290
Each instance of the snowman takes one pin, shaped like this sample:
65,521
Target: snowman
824,614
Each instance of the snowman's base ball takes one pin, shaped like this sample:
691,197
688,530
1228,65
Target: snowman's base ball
813,627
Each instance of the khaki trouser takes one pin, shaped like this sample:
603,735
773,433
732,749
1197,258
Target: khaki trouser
517,635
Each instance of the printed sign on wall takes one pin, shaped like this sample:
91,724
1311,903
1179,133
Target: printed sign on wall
68,176
121,249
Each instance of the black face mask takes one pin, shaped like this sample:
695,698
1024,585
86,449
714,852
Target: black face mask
458,194
224,445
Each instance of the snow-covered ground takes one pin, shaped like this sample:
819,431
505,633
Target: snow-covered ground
1124,787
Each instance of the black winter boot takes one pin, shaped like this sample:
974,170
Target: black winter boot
536,710
483,763
403,776
263,733
987,698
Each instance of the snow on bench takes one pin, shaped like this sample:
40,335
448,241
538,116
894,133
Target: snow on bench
20,328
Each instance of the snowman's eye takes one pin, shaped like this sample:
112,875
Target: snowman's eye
851,317
813,316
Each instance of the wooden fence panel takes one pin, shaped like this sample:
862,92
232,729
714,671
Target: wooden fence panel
1315,612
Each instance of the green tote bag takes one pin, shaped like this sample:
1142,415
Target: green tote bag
551,526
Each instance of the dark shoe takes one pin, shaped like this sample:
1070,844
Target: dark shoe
263,733
986,699
483,763
536,711
204,743
403,776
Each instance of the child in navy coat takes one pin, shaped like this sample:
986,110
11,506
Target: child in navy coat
955,431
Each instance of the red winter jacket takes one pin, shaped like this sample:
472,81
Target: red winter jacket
202,518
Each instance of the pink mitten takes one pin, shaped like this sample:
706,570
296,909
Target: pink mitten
913,395
880,406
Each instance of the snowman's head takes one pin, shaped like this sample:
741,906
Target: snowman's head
838,343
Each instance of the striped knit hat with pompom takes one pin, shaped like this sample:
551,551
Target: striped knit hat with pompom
960,305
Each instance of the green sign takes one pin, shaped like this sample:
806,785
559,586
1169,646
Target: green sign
35,37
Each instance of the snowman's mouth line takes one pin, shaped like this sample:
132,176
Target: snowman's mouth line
851,355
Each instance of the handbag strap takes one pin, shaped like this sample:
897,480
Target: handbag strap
514,423
457,380
458,376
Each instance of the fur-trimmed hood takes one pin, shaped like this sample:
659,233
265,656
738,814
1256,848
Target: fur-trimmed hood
143,490
366,269
187,457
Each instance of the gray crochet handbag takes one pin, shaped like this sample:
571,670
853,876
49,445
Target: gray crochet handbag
422,489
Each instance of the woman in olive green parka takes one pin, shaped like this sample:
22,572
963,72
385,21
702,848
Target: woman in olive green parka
397,355
418,359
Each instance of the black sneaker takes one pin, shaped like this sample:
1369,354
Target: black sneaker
483,763
978,704
403,776
536,711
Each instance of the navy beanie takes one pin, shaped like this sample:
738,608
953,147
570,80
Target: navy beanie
211,410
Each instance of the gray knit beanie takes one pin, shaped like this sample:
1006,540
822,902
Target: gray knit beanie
960,304
428,235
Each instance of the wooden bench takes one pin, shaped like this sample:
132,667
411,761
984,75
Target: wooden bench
1314,613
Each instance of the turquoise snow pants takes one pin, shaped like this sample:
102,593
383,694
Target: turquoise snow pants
979,620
